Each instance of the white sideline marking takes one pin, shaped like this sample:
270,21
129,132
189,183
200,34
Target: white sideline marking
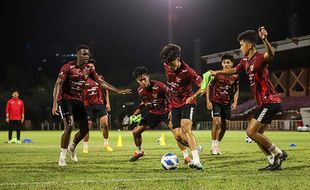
90,181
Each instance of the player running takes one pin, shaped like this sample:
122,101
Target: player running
68,102
268,100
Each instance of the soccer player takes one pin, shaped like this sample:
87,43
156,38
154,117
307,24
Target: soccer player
222,96
15,115
67,100
256,67
97,105
155,98
180,78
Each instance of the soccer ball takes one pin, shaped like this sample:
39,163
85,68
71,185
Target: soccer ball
248,140
170,161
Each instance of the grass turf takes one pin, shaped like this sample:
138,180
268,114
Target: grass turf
34,165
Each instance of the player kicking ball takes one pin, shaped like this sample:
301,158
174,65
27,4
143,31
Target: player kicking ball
155,99
156,106
268,100
180,78
222,96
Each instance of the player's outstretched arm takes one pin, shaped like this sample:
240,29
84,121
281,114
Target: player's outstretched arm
269,54
104,85
229,71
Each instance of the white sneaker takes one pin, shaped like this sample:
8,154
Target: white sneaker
214,150
62,162
9,142
72,153
18,142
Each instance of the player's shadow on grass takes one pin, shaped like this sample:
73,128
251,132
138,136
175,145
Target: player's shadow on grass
296,168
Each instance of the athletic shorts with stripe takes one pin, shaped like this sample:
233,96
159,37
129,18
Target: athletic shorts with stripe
185,112
266,112
72,107
220,110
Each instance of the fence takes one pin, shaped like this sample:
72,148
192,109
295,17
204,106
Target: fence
287,125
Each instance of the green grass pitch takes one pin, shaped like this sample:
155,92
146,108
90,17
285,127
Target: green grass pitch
34,166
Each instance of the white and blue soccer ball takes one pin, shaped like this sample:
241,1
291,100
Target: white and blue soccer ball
248,140
170,161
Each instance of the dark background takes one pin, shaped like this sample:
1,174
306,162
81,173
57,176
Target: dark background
38,36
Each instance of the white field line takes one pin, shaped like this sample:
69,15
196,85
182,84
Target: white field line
90,181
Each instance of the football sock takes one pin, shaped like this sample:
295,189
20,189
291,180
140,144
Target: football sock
185,154
85,144
270,159
195,155
275,150
105,141
63,152
214,143
139,149
73,145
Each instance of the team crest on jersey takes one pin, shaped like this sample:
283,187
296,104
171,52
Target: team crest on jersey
178,79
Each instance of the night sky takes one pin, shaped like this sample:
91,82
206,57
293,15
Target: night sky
123,34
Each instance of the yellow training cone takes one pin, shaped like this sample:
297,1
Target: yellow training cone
119,141
162,140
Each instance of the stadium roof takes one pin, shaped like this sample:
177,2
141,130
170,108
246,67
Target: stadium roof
282,45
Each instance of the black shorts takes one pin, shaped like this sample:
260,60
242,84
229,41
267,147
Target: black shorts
185,112
220,110
72,107
266,112
95,111
152,120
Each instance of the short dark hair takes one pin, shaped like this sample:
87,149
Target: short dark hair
139,71
92,60
169,53
228,56
79,47
250,36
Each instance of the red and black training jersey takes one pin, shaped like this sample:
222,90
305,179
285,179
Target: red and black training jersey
74,78
15,108
92,93
155,97
180,83
257,71
223,88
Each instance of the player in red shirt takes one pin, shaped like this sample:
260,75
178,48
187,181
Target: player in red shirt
97,105
256,67
15,115
68,102
155,98
180,78
222,96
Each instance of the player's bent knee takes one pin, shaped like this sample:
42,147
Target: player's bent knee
250,132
